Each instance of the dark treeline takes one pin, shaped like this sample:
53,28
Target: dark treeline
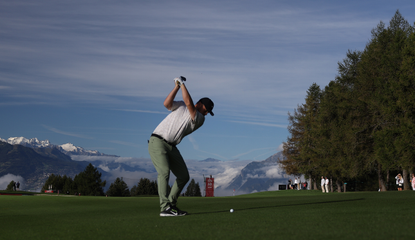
89,183
360,129
193,189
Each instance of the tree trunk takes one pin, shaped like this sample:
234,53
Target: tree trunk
381,182
339,186
311,183
387,181
406,183
331,185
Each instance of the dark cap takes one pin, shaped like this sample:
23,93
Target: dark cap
208,104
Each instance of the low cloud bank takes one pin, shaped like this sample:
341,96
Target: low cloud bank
6,179
131,170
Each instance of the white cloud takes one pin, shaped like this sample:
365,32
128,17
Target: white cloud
6,179
274,187
223,171
274,172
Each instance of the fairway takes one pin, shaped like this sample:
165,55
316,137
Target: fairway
265,215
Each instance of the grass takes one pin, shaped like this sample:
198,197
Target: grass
265,215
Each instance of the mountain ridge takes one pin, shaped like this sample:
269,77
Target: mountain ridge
67,148
41,158
35,166
259,176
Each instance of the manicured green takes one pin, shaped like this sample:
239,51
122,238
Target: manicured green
265,215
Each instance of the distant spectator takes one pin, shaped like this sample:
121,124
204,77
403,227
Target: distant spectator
413,181
296,183
326,185
290,184
14,186
399,182
323,183
18,186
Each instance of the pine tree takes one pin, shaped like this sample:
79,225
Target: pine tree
299,150
118,189
89,182
193,189
198,193
363,122
292,147
379,73
10,187
145,187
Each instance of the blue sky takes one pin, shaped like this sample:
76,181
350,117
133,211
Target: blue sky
95,73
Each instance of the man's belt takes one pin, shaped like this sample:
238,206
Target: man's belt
160,137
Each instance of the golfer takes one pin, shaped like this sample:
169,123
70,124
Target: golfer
185,118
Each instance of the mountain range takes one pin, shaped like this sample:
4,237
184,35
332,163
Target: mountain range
35,160
259,176
67,148
35,165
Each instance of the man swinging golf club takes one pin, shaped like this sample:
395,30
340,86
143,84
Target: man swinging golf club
185,118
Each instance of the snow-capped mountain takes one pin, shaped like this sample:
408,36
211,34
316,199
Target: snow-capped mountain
260,176
70,149
34,142
67,148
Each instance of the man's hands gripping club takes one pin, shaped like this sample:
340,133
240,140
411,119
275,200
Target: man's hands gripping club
168,102
179,80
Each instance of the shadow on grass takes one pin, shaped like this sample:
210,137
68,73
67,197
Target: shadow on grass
284,205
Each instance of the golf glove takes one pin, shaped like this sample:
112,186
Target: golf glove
179,80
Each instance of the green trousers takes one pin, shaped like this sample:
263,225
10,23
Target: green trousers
167,158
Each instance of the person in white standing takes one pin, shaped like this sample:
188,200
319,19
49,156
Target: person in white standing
296,183
399,182
326,183
323,183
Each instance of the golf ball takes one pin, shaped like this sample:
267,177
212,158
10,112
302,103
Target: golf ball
231,210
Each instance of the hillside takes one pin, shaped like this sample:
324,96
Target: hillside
259,176
35,165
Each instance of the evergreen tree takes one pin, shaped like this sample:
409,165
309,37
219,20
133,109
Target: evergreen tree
309,154
338,124
292,147
68,186
405,90
153,188
193,189
118,189
53,180
299,150
197,191
363,122
145,187
10,187
379,73
89,182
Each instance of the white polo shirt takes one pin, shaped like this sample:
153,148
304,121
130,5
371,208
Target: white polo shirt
179,123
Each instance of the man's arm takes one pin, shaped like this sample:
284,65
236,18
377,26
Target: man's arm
168,102
188,101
